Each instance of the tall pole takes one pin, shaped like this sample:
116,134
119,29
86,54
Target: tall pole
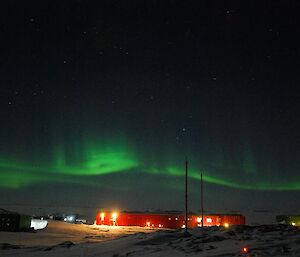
202,208
186,195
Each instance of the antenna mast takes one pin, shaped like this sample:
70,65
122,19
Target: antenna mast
186,195
202,208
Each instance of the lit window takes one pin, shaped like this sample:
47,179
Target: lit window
199,219
102,215
208,220
114,216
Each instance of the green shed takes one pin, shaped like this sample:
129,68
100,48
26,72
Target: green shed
13,221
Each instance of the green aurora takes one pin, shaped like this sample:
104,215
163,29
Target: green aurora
117,158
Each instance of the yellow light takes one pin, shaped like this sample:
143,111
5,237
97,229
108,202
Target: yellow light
102,215
199,219
245,250
293,223
226,225
114,216
148,224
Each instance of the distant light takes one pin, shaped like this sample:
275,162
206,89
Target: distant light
208,220
226,225
70,218
102,215
183,226
160,225
199,219
245,250
148,223
114,216
293,223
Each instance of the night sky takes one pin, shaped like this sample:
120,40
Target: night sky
102,101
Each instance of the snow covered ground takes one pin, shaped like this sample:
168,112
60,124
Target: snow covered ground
58,231
64,240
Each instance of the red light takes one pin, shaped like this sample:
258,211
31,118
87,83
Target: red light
245,250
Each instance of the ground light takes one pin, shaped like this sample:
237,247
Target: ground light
102,216
114,218
245,249
226,225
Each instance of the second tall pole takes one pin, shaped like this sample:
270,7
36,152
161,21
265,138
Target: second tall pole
202,208
186,195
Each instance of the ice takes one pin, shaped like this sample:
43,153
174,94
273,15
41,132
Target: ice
65,240
38,224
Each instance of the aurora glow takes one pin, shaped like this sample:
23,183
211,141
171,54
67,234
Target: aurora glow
100,103
111,160
115,160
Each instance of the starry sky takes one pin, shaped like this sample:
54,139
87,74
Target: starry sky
102,101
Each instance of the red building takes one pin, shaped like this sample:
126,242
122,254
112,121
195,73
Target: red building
166,220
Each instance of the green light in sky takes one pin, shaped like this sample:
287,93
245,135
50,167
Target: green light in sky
93,158
102,163
16,180
107,160
116,159
175,171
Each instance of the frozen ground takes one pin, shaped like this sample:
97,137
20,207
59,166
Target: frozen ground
64,240
58,231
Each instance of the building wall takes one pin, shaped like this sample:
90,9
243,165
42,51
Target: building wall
165,220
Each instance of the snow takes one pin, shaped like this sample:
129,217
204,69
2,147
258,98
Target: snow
37,224
63,240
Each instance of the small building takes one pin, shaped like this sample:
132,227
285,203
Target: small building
13,221
293,220
173,220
